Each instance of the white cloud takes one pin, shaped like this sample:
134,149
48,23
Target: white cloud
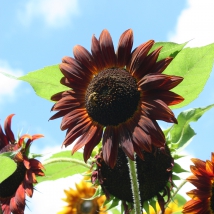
8,85
55,13
195,23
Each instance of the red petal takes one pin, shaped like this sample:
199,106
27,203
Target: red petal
146,65
158,110
3,139
124,48
161,65
126,142
20,197
97,53
59,114
107,49
138,56
138,151
110,146
7,128
28,187
159,81
82,55
77,131
92,143
14,208
85,138
73,118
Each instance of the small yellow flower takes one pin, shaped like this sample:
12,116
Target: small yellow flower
77,203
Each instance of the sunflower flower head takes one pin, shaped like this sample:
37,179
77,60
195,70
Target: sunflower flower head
14,189
115,97
202,198
154,177
78,203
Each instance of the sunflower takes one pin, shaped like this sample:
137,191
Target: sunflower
77,203
14,188
154,177
203,179
115,97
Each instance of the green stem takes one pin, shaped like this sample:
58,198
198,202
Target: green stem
70,160
135,186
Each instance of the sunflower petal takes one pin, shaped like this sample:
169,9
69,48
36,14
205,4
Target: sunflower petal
82,55
20,197
92,143
110,146
107,49
124,48
159,81
126,142
85,138
7,128
138,56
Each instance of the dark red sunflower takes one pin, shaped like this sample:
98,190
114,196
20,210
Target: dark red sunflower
203,179
14,188
115,97
154,175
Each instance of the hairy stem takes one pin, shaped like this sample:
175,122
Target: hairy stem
70,160
135,186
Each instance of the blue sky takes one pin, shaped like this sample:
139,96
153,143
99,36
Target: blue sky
38,33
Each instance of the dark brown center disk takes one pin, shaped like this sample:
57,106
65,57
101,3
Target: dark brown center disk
9,186
112,97
88,207
152,175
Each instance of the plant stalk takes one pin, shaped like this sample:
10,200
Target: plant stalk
134,186
70,160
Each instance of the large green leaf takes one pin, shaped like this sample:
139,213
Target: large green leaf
62,164
180,135
7,167
195,65
46,81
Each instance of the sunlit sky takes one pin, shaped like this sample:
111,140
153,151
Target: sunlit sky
38,33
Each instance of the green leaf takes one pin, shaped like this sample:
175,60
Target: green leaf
175,177
181,134
7,167
170,49
195,65
180,200
46,81
111,203
62,164
146,207
99,192
178,169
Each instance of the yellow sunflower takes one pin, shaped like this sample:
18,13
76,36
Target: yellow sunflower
77,203
115,97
